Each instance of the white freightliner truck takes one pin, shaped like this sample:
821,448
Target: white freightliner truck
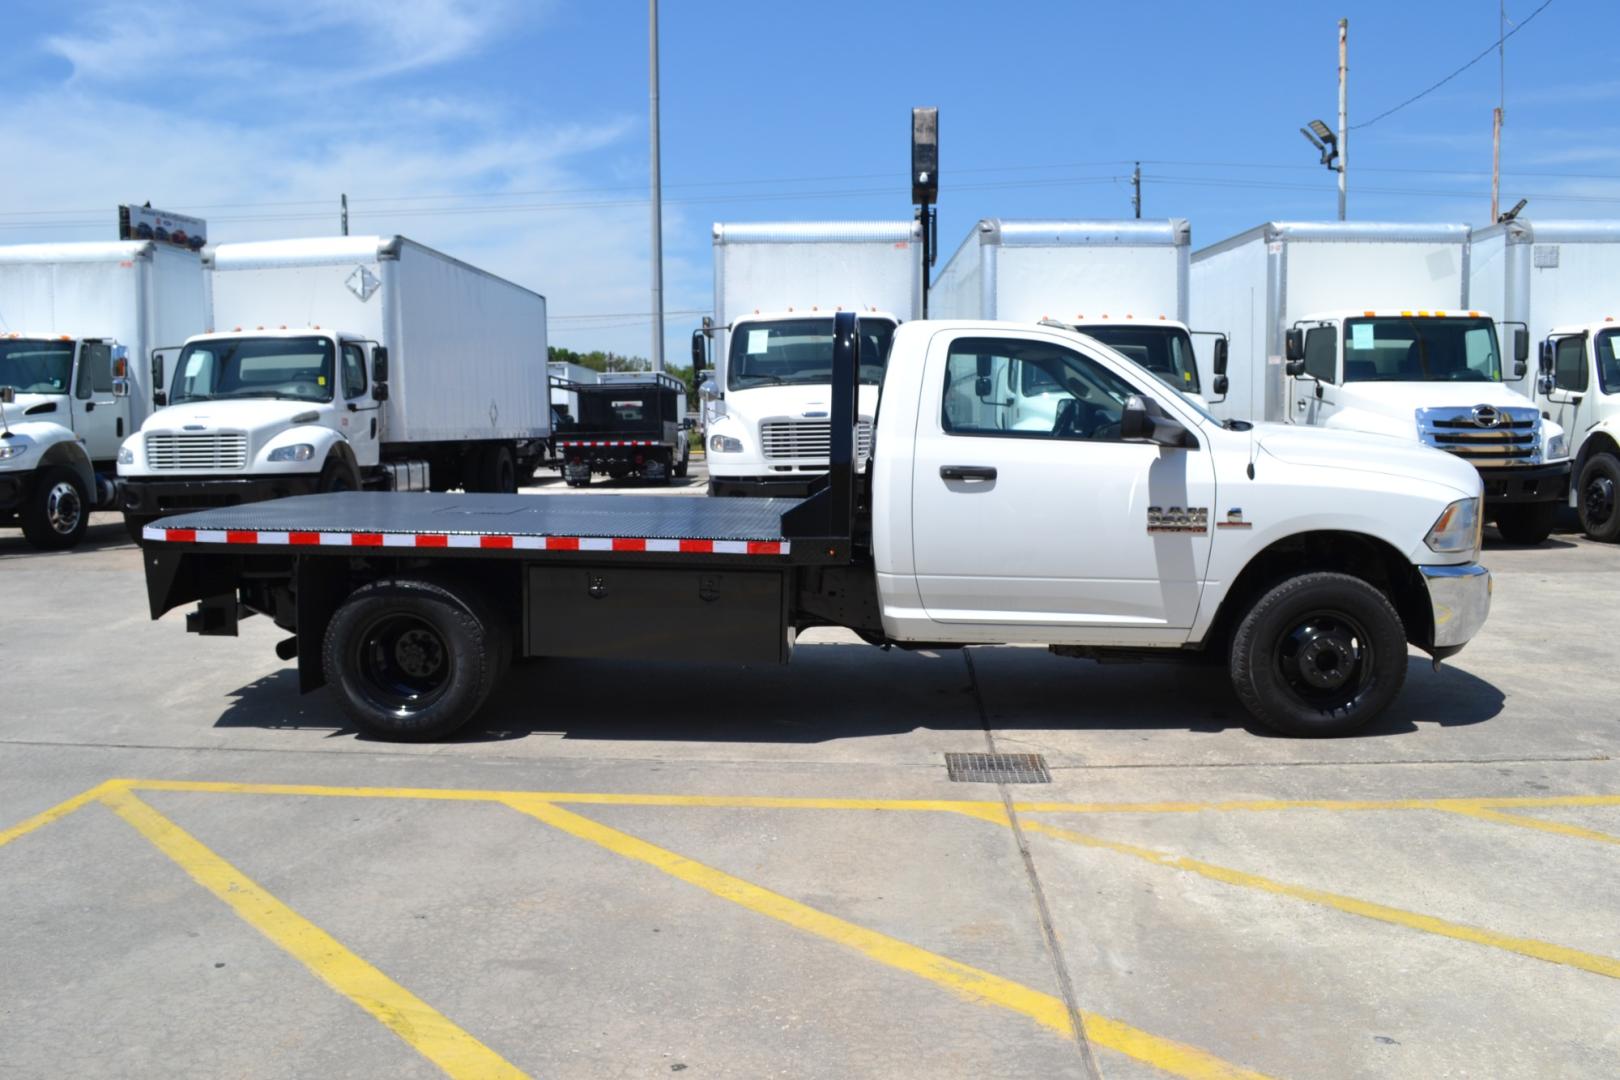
1138,527
75,319
1366,327
338,364
777,286
1124,283
1562,279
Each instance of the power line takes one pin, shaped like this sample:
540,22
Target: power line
1488,50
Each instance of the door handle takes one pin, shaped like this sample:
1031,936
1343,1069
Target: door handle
967,472
89,406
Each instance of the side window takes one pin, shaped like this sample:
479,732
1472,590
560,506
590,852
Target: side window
1321,345
95,371
1030,389
1569,364
1608,355
354,371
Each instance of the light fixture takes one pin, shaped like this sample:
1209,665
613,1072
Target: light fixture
1509,215
1321,136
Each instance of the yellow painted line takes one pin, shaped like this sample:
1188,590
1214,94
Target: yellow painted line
422,1027
1522,821
60,810
1531,947
971,983
1261,805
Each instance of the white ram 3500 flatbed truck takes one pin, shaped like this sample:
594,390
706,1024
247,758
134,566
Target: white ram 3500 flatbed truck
1305,560
777,286
71,316
344,363
1366,327
1122,282
1559,278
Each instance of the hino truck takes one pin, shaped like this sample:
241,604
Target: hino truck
777,287
1137,527
1121,282
1367,327
71,317
1559,278
338,364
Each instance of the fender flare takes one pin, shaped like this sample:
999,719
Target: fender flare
71,453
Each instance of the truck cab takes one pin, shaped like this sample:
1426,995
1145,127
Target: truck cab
1164,347
1435,377
66,409
249,415
1579,388
767,406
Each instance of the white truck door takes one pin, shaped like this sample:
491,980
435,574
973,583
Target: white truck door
99,417
1051,528
359,418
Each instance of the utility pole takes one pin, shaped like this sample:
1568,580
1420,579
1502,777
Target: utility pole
657,191
1344,130
1136,189
345,198
1496,116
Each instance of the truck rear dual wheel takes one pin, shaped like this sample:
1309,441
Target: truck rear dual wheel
413,660
1599,497
1319,655
497,471
1527,523
58,512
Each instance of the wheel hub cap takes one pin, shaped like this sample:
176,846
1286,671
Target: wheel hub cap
418,654
1600,500
63,508
1323,657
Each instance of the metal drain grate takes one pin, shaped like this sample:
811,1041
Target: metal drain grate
997,768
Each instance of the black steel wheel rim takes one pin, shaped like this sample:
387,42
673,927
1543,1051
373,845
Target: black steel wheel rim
404,664
1325,660
1599,498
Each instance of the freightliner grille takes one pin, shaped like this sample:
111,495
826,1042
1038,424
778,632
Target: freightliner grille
797,440
197,453
1484,435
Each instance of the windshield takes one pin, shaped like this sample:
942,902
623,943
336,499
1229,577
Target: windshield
1167,351
1608,358
798,352
36,367
1398,349
299,369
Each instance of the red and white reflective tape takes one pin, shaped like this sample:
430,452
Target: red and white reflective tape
608,442
251,537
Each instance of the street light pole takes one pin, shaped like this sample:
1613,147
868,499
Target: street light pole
1344,131
657,191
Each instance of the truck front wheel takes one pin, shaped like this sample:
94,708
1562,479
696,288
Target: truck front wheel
1527,523
59,511
411,660
1320,654
1599,489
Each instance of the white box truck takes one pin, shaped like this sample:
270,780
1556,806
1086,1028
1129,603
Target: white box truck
1558,278
71,316
777,286
1121,282
1366,327
343,363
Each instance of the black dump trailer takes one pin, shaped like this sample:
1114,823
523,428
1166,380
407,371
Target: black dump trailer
410,606
626,428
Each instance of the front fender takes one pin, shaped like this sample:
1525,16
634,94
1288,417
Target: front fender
57,445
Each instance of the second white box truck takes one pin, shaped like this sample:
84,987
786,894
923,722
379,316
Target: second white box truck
1366,327
343,363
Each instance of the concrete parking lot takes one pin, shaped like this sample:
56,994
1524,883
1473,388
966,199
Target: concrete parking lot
648,869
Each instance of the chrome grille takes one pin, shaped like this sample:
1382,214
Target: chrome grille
797,440
1513,439
197,453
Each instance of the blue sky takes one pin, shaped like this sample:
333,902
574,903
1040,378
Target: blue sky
514,134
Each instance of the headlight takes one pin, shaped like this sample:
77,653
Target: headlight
1557,447
297,452
1457,529
725,444
126,456
12,449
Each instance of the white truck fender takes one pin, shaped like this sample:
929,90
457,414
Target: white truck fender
322,439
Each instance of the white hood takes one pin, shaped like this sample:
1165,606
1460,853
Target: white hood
1358,452
793,402
1396,403
252,415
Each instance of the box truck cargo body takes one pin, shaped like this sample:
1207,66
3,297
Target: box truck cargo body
1366,327
1562,280
344,362
777,286
1122,282
76,321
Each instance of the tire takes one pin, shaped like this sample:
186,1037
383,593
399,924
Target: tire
338,474
497,471
1527,523
1598,493
412,660
134,523
1319,655
58,509
684,467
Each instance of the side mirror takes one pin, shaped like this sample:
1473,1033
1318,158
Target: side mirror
1521,348
1546,385
379,391
1144,420
982,386
700,351
1294,346
1546,359
1294,367
120,387
8,395
157,374
1221,346
1222,384
120,362
379,366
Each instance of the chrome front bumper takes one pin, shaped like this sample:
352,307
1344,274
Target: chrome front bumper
1460,597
